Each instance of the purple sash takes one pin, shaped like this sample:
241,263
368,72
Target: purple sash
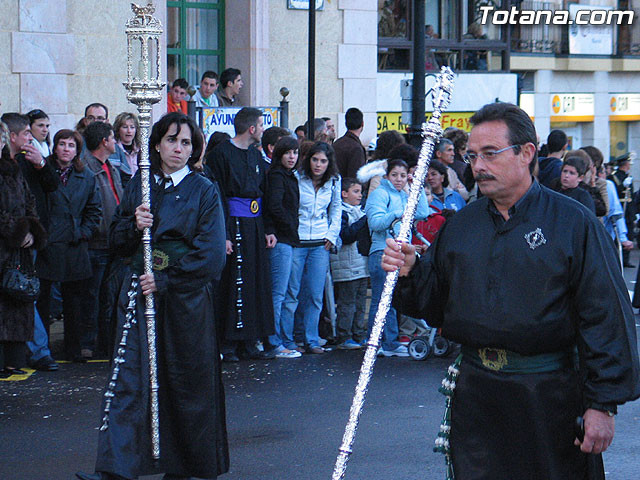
244,207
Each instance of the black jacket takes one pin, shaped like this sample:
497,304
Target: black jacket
74,213
282,199
41,182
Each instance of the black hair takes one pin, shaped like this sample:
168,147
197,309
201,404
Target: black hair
283,145
98,105
353,119
396,162
229,75
576,162
215,139
332,168
348,182
300,127
160,129
519,124
441,169
180,82
95,133
38,114
386,141
209,74
271,136
556,141
405,152
16,122
246,118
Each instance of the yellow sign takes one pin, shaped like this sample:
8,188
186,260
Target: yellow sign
393,121
624,107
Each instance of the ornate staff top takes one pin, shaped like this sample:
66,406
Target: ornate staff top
144,85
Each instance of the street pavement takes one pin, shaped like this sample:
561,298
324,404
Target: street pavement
285,420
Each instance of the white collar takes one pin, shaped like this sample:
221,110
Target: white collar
176,177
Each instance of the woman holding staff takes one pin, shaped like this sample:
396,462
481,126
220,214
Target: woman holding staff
187,228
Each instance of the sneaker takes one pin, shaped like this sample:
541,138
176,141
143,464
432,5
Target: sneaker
404,339
288,354
400,351
349,345
322,342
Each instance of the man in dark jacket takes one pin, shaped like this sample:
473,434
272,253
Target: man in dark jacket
100,141
350,154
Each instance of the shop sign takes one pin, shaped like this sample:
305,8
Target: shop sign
624,107
572,107
393,121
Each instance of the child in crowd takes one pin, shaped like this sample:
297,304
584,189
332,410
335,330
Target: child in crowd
350,272
384,206
573,171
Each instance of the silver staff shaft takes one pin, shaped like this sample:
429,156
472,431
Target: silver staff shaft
144,89
431,131
149,311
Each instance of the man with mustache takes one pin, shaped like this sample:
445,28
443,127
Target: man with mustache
525,280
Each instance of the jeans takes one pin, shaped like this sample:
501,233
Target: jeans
93,324
308,273
351,297
281,262
39,347
390,332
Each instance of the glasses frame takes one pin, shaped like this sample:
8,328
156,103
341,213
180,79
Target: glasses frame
472,157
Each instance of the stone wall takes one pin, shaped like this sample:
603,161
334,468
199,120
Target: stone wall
63,55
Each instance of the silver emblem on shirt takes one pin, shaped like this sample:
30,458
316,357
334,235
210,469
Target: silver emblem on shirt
535,238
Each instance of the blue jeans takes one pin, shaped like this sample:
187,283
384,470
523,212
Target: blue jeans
281,257
39,347
308,272
390,332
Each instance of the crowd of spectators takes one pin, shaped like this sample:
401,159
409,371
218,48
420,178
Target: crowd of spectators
306,222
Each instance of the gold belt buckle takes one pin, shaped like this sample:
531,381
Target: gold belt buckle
493,358
255,206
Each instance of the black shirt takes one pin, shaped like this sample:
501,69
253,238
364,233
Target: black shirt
543,281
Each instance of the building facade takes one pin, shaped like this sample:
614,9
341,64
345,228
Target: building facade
60,55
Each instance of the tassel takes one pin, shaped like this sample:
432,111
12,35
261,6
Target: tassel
442,442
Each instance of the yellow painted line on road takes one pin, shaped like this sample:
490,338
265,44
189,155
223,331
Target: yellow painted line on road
18,378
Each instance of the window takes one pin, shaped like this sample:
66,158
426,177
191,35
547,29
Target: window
195,38
453,37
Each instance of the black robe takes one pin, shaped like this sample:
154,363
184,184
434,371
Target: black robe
544,281
193,439
242,173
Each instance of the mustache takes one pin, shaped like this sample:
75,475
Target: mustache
484,176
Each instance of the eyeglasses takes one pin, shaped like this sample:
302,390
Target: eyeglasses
487,156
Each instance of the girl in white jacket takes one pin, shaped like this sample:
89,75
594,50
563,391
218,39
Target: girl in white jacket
319,215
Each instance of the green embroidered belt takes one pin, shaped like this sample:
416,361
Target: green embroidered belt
506,361
164,253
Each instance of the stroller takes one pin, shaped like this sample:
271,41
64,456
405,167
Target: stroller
424,346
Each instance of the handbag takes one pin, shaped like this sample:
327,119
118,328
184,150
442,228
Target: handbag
19,281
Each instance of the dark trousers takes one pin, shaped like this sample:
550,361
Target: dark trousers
12,354
351,297
73,305
95,324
